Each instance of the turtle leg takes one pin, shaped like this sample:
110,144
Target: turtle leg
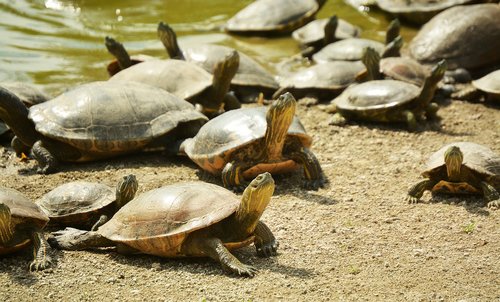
47,162
418,189
312,169
410,119
431,111
74,239
338,120
215,249
6,231
232,177
102,220
41,249
491,195
19,147
265,242
231,101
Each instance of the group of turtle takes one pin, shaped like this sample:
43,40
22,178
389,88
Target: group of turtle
150,104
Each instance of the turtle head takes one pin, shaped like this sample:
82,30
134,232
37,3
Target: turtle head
438,71
430,85
119,52
393,48
224,72
126,190
453,158
279,117
330,28
6,231
393,30
168,37
255,199
371,60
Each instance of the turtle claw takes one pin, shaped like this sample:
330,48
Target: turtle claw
242,270
495,204
40,264
267,250
411,199
66,239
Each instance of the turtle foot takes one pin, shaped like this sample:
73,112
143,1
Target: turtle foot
41,264
267,250
337,120
495,204
67,239
411,199
241,269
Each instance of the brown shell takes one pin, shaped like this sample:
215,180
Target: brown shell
110,118
477,157
157,222
404,69
466,36
273,16
22,208
76,199
183,79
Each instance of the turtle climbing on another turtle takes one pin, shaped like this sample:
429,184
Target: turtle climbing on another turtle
461,167
194,219
21,223
243,143
99,120
123,59
86,205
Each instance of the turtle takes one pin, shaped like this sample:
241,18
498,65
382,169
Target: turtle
194,219
123,59
466,36
188,81
273,17
461,167
250,78
318,33
397,68
21,223
99,120
352,49
86,204
487,86
323,81
242,143
389,100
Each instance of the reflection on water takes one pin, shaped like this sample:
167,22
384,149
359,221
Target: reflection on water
60,43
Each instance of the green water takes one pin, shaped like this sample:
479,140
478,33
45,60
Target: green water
60,43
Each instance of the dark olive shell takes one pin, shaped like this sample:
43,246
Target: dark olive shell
346,50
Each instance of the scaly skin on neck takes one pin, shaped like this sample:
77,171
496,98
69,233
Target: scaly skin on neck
125,190
430,85
168,37
392,31
279,118
393,49
118,51
6,231
15,114
254,201
330,28
224,72
453,158
371,60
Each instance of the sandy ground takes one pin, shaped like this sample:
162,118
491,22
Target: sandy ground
356,239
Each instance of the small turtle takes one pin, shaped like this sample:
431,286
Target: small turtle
418,11
99,120
352,49
465,36
487,86
323,81
188,81
273,17
318,33
250,78
242,143
193,219
389,100
87,204
123,59
21,222
462,167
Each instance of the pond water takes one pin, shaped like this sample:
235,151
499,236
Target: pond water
60,43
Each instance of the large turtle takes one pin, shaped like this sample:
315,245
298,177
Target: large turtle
99,120
487,86
389,100
86,204
188,81
250,78
271,17
21,223
461,167
466,36
242,143
193,219
123,59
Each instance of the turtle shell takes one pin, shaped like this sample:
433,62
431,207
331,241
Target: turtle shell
27,93
346,50
250,73
418,11
103,119
76,202
371,97
404,69
466,36
314,31
273,16
490,83
157,222
212,147
183,79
